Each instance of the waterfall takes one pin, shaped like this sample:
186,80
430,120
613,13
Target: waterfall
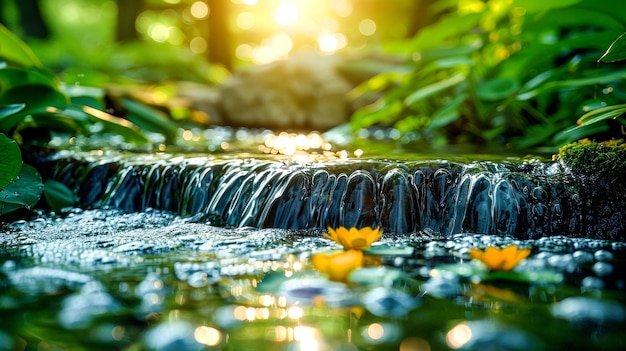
523,199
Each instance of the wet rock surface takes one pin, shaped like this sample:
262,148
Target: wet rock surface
106,279
522,198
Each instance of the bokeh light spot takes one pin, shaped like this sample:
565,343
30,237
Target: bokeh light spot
199,10
198,45
367,27
207,335
286,13
459,335
245,20
375,331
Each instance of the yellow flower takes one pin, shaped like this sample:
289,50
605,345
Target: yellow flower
339,264
500,259
357,239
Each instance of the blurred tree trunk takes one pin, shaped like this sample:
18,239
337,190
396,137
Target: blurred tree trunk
31,20
219,33
127,13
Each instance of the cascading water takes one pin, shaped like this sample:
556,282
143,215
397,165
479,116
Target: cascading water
523,199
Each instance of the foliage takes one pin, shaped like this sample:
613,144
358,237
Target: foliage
20,185
35,105
505,72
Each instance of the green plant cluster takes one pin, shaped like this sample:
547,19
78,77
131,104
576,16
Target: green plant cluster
501,72
34,105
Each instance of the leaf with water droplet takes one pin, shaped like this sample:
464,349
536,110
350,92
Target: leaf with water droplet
10,162
25,191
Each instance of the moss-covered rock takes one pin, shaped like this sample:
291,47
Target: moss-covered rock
599,168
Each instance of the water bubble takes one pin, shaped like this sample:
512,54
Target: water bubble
306,291
603,255
388,302
592,283
80,309
582,311
172,336
602,269
45,280
581,257
488,335
442,287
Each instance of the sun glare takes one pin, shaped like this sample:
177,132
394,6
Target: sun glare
286,13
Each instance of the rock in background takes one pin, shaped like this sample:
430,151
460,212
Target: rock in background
303,92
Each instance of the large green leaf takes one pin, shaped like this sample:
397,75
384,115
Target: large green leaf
433,89
447,114
8,110
382,111
497,89
601,114
120,126
543,5
39,99
25,191
15,50
617,50
10,160
151,119
572,83
436,35
15,77
58,195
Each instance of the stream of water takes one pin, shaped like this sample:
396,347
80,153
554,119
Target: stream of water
181,251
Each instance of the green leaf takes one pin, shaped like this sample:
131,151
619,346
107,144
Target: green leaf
10,160
39,99
81,95
497,89
433,89
151,119
579,132
600,114
447,114
120,126
8,110
58,122
375,276
437,34
572,83
58,195
386,250
25,191
534,6
13,49
616,51
381,111
14,77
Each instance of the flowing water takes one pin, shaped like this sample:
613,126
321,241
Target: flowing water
524,199
212,252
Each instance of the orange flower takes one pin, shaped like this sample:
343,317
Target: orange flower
338,265
500,259
356,239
